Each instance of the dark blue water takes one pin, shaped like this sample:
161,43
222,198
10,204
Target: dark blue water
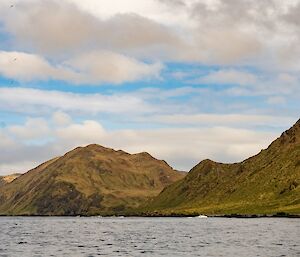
97,236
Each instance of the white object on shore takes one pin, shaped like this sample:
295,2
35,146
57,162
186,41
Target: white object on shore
202,216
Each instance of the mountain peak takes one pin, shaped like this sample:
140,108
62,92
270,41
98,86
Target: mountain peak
206,162
145,155
88,180
89,150
97,147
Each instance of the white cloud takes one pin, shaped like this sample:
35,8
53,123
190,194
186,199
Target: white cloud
15,167
236,120
97,67
181,147
23,66
273,83
84,133
65,29
61,119
35,101
112,41
263,34
229,76
91,68
33,129
276,100
154,106
5,140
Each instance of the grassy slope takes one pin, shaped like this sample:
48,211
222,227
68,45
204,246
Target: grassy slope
264,184
87,180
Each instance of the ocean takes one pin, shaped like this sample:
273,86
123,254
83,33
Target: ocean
98,236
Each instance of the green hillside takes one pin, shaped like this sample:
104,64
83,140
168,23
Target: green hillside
267,183
89,180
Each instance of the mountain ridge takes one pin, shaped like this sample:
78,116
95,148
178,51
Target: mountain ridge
86,181
95,180
267,182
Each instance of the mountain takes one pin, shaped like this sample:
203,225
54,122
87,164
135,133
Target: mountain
267,183
91,180
8,179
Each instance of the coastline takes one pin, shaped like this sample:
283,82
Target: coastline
239,216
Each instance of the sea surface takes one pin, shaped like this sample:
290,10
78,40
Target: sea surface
97,236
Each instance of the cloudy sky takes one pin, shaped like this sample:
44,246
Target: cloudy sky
184,80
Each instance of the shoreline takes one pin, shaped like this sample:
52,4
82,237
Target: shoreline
239,216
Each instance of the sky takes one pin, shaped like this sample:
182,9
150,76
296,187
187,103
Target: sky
184,80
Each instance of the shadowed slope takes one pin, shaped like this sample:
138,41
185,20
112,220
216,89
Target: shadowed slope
88,180
265,183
